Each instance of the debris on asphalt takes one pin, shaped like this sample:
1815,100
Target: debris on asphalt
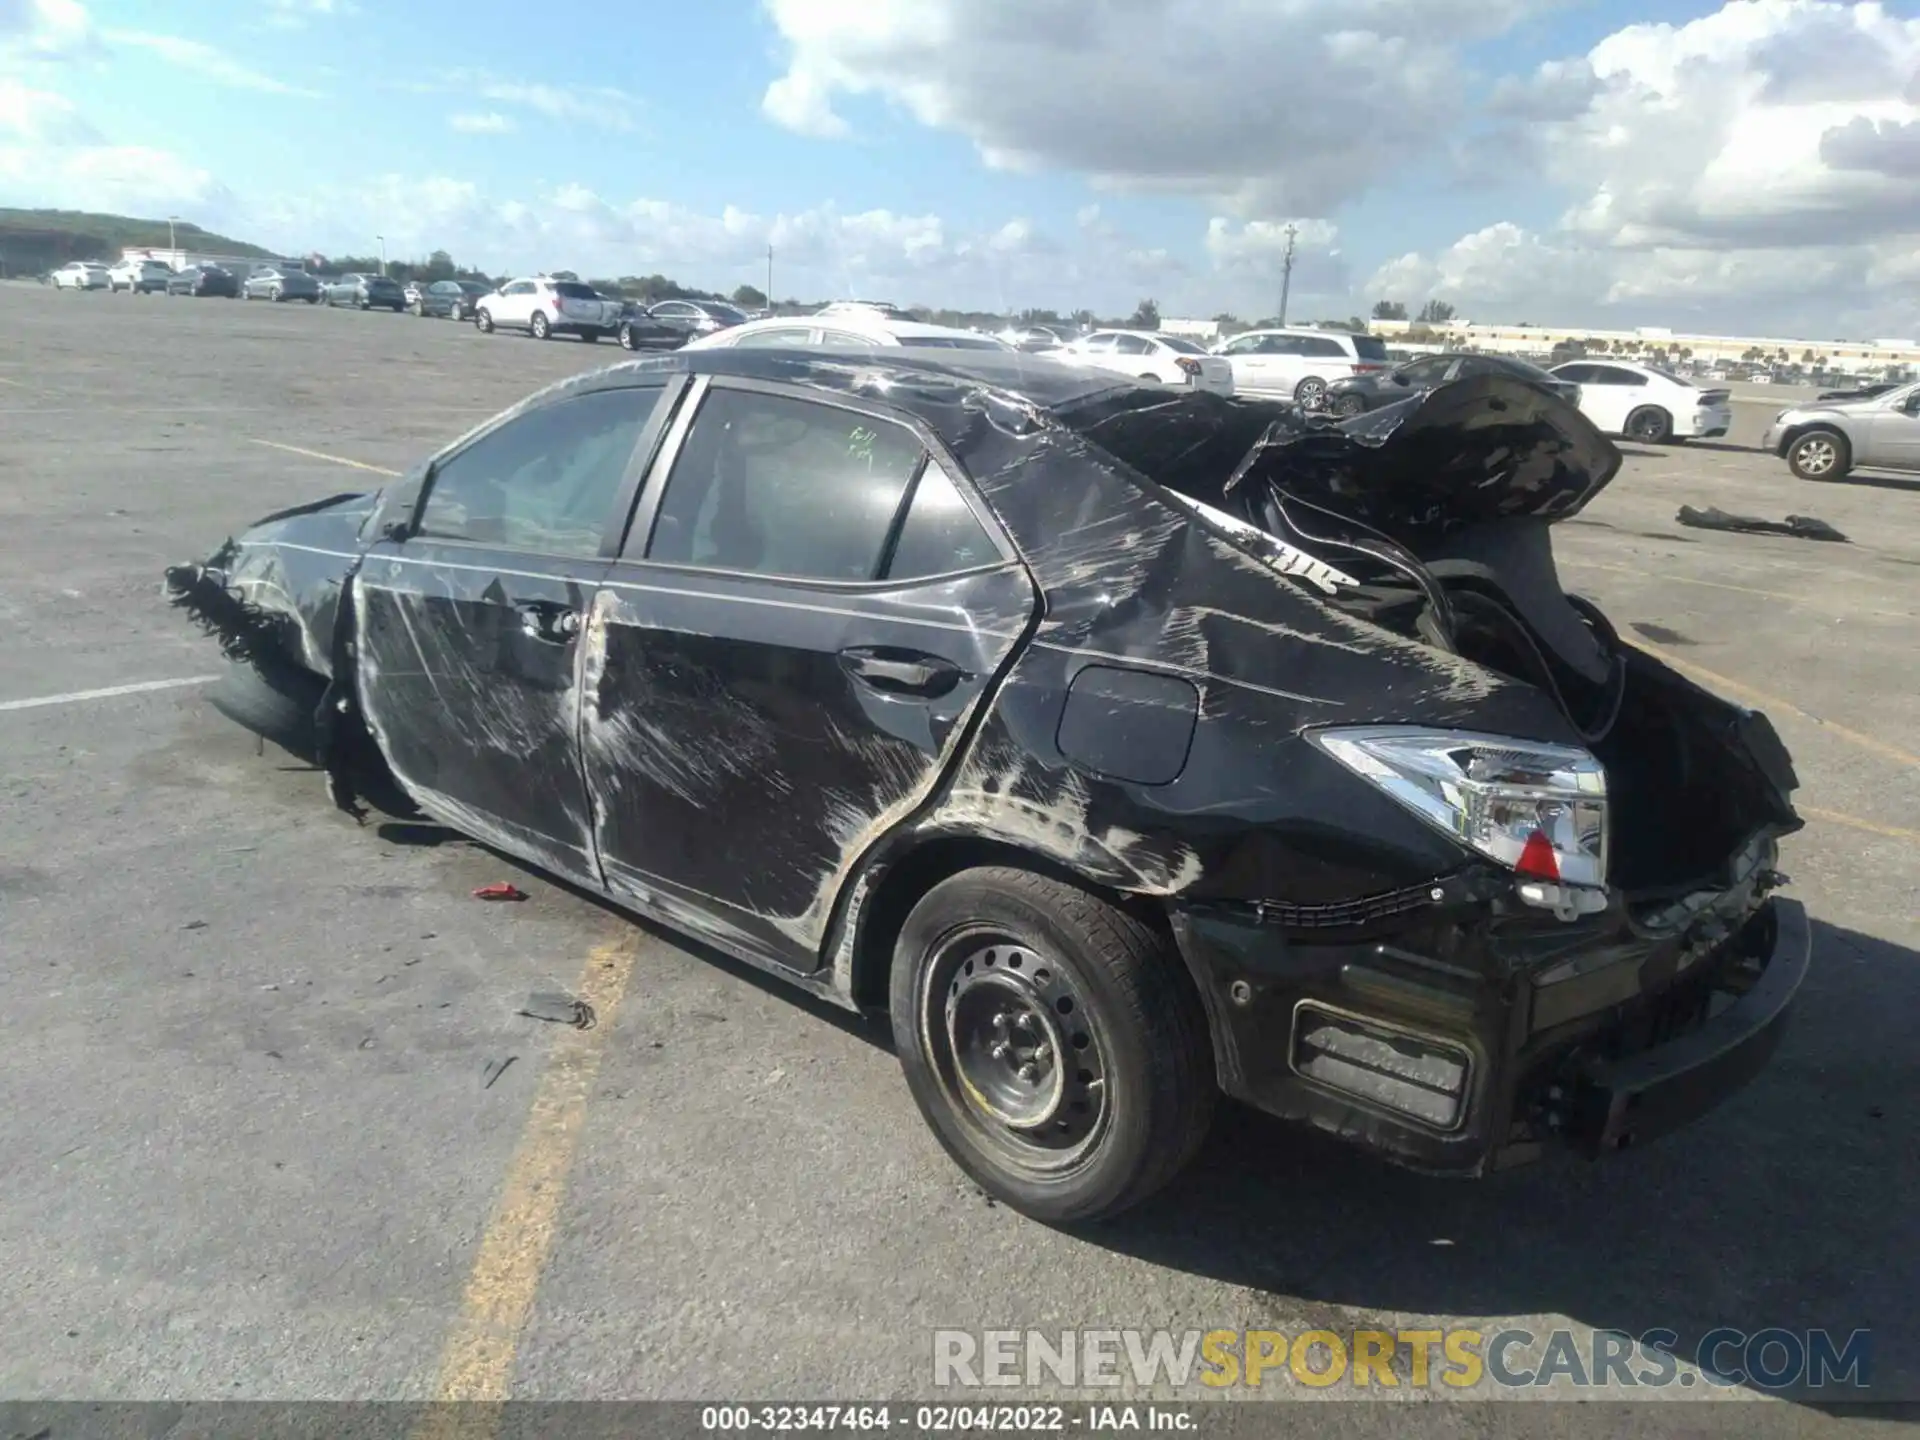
1805,527
194,925
560,1009
500,890
495,1069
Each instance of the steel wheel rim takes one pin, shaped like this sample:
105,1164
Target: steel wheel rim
1311,392
1817,456
1008,1033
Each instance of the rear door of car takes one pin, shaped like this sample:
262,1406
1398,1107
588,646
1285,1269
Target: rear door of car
1611,395
470,621
808,608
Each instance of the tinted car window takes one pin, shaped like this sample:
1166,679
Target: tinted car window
574,291
1427,372
1243,345
950,342
1133,345
770,485
545,481
1370,347
1322,348
940,534
1280,345
1180,345
1613,375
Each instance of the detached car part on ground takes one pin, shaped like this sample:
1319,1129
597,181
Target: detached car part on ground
1150,745
1825,440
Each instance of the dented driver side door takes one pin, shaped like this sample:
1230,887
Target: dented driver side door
470,622
809,608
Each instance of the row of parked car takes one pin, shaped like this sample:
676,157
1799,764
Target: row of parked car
1334,371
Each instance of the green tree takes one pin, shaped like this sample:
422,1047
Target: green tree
1436,312
1146,316
1391,310
749,297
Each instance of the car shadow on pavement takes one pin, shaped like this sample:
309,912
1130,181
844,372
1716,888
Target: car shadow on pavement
1878,482
1793,1205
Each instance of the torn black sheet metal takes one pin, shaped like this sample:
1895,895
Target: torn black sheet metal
1802,527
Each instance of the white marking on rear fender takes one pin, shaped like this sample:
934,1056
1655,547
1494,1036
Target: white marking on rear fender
75,697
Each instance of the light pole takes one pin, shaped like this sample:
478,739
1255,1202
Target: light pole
172,244
383,253
1286,272
769,279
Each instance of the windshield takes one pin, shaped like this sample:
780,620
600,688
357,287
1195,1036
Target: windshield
1181,345
722,312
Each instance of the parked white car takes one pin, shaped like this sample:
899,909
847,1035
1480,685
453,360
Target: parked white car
545,307
1299,363
1149,355
139,277
843,330
80,275
1646,403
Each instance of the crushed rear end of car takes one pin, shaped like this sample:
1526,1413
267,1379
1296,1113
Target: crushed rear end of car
1501,882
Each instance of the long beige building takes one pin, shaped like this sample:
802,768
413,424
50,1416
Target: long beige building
1855,355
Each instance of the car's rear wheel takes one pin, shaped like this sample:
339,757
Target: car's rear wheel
1310,392
626,338
1820,455
313,299
539,326
1650,424
1052,1041
483,320
1347,406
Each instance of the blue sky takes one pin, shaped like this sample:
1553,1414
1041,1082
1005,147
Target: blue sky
1012,152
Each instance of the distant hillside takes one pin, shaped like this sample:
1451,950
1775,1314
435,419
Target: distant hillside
32,241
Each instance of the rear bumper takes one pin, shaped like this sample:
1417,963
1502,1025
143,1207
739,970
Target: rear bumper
1452,1067
1706,423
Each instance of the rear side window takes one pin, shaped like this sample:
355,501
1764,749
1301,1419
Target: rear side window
573,291
1181,346
772,485
950,342
1133,345
544,482
1322,348
940,534
1370,347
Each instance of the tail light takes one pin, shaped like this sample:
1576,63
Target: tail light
1366,367
1189,366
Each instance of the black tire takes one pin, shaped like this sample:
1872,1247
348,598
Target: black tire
1310,392
483,320
1650,425
538,326
276,700
366,304
1820,455
1082,979
313,299
1347,406
276,294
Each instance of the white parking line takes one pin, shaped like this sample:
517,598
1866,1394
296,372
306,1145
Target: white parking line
76,696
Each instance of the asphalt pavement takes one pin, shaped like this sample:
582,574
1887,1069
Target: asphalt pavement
261,1144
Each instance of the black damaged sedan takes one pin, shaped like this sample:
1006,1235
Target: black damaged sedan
1125,747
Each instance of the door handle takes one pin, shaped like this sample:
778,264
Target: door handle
902,672
549,620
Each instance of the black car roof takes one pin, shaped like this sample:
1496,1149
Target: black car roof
895,374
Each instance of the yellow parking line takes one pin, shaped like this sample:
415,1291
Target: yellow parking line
1854,822
1775,702
322,455
477,1364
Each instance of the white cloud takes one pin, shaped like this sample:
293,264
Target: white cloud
297,14
489,122
204,59
1754,168
30,117
604,107
1265,106
45,30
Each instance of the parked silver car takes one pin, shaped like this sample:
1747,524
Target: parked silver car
280,283
1823,441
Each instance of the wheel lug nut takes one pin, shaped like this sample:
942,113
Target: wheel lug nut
1028,1073
1000,1021
1042,1051
999,1050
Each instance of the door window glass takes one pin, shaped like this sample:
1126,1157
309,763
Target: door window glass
771,485
940,534
1133,345
544,482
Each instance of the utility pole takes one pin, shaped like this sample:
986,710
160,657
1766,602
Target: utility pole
172,244
1286,271
383,253
769,277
